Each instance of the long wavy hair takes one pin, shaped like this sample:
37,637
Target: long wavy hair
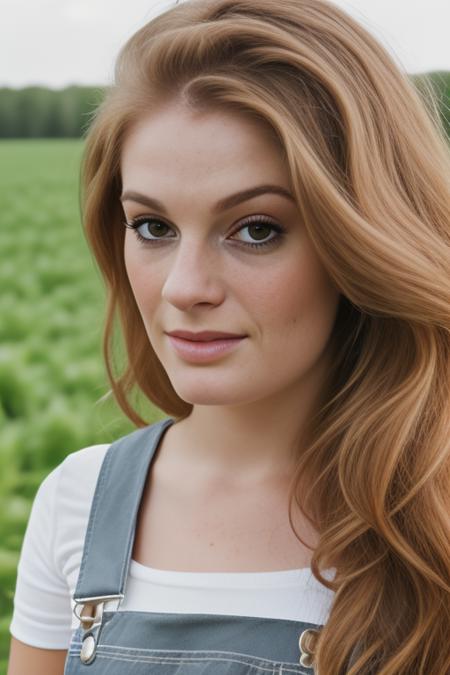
370,167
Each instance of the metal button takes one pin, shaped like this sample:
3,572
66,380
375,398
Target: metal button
306,660
87,648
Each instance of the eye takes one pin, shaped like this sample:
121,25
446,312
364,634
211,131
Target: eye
153,231
141,227
258,226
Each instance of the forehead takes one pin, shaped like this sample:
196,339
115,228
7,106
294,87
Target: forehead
176,144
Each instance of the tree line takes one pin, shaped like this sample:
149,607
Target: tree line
40,112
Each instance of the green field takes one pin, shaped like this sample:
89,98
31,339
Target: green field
51,315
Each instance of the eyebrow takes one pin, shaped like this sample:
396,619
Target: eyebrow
221,205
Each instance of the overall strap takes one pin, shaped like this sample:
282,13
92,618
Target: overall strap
112,519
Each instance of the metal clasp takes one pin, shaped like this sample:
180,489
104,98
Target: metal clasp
89,612
84,608
307,643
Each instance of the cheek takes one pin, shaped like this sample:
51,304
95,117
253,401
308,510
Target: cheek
296,301
142,284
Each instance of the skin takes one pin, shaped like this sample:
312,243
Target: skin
26,659
250,405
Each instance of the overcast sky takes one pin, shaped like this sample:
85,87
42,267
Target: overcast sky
61,42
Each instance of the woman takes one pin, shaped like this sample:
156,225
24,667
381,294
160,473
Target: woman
267,198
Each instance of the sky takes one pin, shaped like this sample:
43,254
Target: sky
60,42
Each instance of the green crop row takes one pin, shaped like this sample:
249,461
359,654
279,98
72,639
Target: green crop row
51,314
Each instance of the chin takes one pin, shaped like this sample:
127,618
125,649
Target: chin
199,392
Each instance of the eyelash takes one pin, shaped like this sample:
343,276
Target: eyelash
250,220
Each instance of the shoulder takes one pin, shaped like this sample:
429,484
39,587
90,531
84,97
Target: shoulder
62,505
63,502
72,481
51,550
78,473
69,488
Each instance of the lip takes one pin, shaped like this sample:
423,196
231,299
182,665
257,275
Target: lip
204,335
202,351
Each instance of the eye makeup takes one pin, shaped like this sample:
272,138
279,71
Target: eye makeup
251,222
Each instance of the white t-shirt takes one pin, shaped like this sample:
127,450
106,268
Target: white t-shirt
51,556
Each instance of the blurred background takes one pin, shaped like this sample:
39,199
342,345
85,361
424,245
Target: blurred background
57,59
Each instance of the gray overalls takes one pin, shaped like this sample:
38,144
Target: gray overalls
139,643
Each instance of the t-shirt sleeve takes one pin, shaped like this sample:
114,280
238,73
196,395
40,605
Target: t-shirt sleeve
42,608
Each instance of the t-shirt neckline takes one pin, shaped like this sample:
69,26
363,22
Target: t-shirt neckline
275,579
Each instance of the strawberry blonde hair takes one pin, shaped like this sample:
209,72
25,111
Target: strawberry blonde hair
370,167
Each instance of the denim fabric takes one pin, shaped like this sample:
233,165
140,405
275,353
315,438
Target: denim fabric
140,643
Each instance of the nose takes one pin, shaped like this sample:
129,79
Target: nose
193,276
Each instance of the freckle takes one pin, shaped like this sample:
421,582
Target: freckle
211,543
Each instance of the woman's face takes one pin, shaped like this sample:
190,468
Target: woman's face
202,268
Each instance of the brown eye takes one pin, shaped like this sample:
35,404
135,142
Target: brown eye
153,231
145,226
259,228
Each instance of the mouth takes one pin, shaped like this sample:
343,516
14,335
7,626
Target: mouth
204,336
200,351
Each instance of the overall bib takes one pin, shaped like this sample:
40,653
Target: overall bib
111,642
